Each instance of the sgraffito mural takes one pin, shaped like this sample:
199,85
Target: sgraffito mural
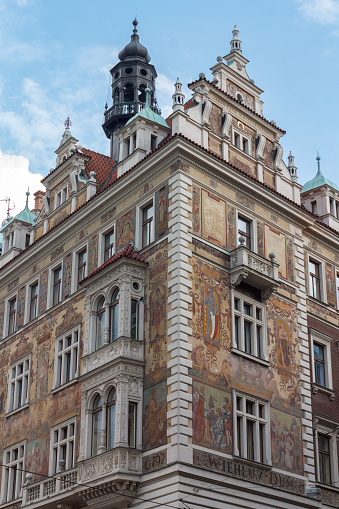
93,253
125,229
154,423
213,220
216,369
212,417
21,306
161,213
156,371
330,284
43,291
67,276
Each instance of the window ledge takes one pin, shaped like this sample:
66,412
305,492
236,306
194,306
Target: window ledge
327,486
64,386
250,357
12,412
253,463
325,390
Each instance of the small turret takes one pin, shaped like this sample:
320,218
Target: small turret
235,42
292,168
178,97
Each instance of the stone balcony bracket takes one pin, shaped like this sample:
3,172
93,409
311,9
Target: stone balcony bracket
254,269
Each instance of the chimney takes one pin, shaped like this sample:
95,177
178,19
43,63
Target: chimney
37,201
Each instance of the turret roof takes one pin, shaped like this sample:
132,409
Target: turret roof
318,181
149,114
134,48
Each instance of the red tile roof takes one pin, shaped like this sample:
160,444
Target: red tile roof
104,166
238,102
127,252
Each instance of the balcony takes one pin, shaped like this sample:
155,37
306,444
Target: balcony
49,492
122,347
127,108
254,270
109,479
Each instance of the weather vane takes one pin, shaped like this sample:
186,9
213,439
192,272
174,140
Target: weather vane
68,123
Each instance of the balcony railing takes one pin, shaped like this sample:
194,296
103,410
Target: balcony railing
254,269
59,484
127,108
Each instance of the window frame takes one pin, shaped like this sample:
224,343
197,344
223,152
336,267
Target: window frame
322,290
71,352
14,328
51,284
325,341
237,134
329,429
8,472
243,317
30,300
57,446
60,194
18,383
257,420
139,227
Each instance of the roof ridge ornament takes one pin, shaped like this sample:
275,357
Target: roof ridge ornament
135,23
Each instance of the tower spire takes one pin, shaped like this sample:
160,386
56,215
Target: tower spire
235,42
318,163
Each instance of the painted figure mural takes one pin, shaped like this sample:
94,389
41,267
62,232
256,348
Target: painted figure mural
154,416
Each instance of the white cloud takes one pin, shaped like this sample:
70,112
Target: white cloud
22,3
325,12
15,180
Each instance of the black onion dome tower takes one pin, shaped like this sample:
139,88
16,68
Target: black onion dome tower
130,78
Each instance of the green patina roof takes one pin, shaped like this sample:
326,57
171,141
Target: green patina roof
148,114
318,181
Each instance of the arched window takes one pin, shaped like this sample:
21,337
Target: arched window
142,93
116,95
114,315
96,424
111,419
100,323
128,93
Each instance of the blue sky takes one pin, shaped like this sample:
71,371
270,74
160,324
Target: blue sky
55,57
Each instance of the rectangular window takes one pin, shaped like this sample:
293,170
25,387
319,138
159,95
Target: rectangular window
132,424
324,459
62,446
337,208
12,316
13,472
60,197
244,230
147,225
337,282
249,334
27,241
251,439
33,303
82,260
319,364
314,207
66,358
56,286
237,140
18,384
153,142
134,319
109,245
245,145
314,279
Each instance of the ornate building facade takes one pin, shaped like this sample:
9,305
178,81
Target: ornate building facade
169,315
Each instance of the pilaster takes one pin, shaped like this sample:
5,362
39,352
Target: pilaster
179,332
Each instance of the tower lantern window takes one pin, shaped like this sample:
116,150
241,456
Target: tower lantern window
128,93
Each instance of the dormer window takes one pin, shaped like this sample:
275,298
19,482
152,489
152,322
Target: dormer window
60,197
314,207
241,142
